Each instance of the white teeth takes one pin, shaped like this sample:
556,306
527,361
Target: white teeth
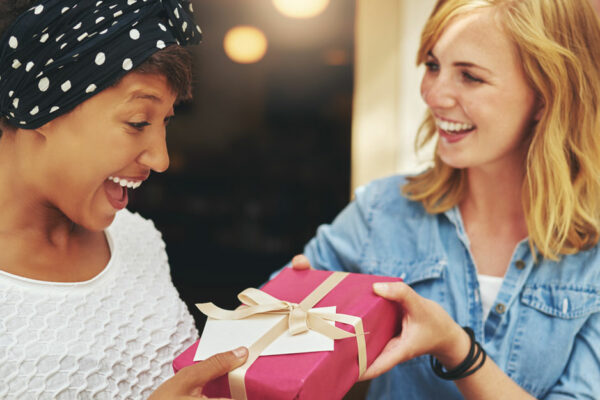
453,126
125,182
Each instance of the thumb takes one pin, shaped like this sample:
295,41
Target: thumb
300,262
397,291
205,371
393,353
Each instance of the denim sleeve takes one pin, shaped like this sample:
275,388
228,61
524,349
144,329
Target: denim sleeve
581,378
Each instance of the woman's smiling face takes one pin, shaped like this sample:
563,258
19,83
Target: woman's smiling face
476,89
82,159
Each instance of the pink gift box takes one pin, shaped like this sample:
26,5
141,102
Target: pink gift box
320,375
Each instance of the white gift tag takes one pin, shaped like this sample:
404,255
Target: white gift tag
224,335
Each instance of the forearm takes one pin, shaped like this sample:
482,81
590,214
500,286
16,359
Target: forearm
490,382
487,383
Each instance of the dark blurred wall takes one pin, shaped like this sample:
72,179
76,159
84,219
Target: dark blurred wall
261,157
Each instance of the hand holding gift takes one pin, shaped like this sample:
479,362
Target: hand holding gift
422,322
190,381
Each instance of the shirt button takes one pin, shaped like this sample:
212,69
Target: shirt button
500,308
520,264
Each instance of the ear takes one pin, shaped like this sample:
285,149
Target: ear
44,130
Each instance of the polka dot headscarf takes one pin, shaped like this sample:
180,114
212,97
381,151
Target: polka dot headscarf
59,53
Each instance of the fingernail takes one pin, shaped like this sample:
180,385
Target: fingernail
240,352
380,287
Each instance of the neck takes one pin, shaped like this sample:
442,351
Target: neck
495,194
494,190
493,215
23,211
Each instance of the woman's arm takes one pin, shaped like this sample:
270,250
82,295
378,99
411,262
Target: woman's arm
428,329
189,381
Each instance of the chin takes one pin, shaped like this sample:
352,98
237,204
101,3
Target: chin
97,223
105,223
454,162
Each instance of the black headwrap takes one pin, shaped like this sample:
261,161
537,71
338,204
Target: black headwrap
59,53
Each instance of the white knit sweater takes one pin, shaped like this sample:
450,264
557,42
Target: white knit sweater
112,337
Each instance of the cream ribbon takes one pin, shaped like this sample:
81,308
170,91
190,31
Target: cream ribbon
299,320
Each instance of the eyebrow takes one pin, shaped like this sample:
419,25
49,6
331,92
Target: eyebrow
461,63
139,94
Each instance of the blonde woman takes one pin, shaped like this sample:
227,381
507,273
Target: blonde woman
498,241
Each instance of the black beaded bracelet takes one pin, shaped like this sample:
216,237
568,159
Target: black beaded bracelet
465,368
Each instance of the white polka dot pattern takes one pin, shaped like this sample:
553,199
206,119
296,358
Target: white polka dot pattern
83,42
44,84
100,58
127,64
113,337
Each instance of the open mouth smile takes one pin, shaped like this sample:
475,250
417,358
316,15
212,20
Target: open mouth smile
452,132
116,190
454,128
125,183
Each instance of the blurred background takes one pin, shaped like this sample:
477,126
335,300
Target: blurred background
261,156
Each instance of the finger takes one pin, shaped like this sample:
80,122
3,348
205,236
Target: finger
205,371
392,354
300,262
397,291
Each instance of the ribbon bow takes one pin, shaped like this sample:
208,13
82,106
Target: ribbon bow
300,319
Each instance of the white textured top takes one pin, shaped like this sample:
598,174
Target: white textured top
112,337
489,286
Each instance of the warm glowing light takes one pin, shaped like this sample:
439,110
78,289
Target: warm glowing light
336,57
245,44
301,8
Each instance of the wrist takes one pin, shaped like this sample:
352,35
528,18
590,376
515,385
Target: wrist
471,363
456,349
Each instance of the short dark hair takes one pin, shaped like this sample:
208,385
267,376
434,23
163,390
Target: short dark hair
173,62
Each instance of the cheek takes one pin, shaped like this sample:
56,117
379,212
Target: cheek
519,115
425,85
483,110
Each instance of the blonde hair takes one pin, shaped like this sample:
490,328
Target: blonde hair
558,42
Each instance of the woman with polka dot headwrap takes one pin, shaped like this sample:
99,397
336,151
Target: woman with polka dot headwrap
87,306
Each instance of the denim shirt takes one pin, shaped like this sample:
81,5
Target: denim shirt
543,329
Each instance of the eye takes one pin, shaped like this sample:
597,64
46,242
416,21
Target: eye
432,66
471,78
138,125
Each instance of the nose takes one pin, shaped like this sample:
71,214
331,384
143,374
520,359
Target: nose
155,154
437,91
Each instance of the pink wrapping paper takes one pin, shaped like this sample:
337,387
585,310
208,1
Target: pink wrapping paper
320,375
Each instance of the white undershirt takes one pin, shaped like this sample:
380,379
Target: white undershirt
489,286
